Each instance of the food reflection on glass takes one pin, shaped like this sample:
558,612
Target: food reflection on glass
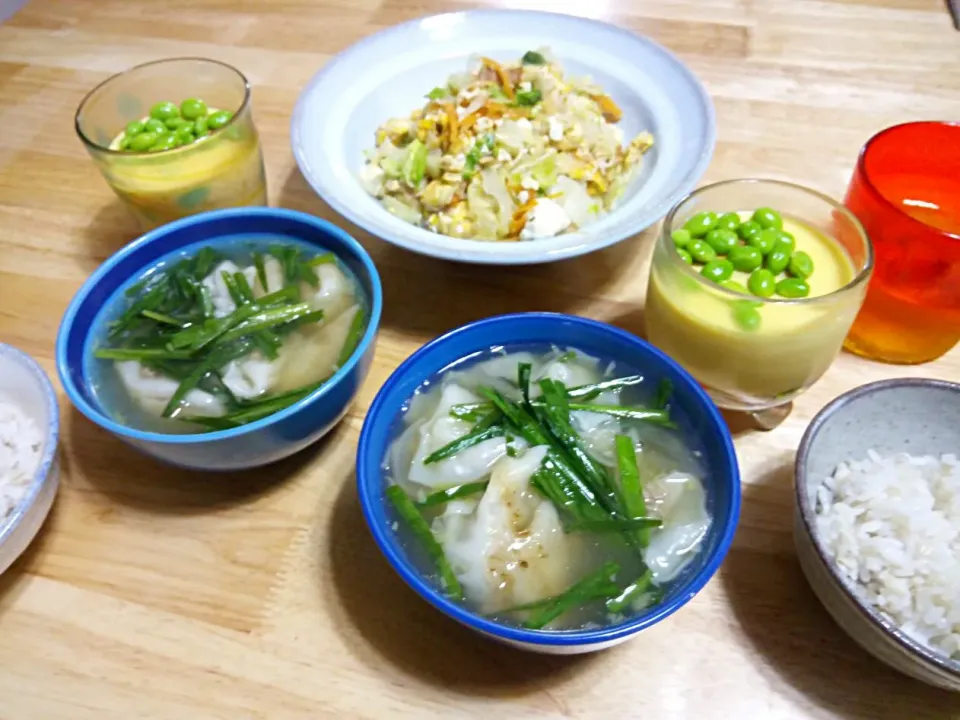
546,488
513,151
753,287
224,337
906,192
167,160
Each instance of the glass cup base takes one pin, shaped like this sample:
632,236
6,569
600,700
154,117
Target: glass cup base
764,417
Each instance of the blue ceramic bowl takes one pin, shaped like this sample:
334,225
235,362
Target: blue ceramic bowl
258,443
696,414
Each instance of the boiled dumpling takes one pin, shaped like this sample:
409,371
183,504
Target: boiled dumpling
571,374
509,548
467,465
311,355
223,303
334,293
679,500
152,391
250,376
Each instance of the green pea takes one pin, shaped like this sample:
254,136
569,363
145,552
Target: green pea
764,240
701,252
200,127
155,126
801,265
184,135
746,258
125,142
685,256
164,142
746,315
748,230
723,241
786,239
133,128
728,221
176,122
217,120
193,108
777,261
735,287
680,237
767,218
164,111
701,223
717,270
761,283
142,142
793,288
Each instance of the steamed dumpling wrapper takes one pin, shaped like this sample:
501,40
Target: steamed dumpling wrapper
152,391
223,303
333,294
509,548
468,465
678,499
312,353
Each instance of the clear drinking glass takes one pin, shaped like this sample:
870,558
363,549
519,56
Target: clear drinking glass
223,169
754,354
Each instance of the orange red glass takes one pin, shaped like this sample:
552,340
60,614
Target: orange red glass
906,192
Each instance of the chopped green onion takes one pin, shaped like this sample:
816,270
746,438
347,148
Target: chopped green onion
633,498
597,585
484,430
633,591
408,511
453,493
618,525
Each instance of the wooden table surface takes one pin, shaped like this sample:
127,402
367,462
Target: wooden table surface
156,593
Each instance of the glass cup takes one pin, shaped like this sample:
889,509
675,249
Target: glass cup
906,192
752,354
223,169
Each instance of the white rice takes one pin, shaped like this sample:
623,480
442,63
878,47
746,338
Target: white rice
892,527
20,444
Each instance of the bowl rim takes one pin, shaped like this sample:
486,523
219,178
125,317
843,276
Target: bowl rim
51,435
583,241
918,651
101,418
370,459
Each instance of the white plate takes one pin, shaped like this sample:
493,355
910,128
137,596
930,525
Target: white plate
387,74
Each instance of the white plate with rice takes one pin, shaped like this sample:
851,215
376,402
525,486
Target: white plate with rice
878,521
342,122
29,434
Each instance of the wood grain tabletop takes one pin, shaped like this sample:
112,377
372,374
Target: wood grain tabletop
158,593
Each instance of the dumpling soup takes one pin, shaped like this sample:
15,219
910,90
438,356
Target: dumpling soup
225,334
547,488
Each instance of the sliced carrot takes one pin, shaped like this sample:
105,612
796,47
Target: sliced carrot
611,111
519,218
502,76
453,129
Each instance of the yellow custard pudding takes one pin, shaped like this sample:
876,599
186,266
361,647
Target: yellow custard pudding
755,303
